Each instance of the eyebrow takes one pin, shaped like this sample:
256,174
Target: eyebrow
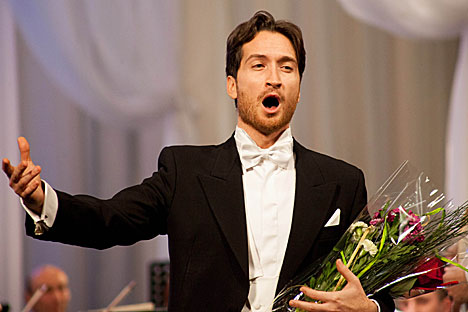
282,59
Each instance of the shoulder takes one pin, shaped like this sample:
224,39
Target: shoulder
197,155
325,166
199,150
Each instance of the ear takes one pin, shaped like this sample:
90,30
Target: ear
231,87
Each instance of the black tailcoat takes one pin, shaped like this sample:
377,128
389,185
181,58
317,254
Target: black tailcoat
196,197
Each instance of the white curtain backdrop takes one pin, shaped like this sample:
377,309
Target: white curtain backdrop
117,59
457,146
11,235
433,19
99,87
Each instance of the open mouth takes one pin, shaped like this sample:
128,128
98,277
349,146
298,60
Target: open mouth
270,101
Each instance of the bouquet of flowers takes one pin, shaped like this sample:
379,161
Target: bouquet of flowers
392,243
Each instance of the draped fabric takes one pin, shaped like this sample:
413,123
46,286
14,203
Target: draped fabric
11,236
413,18
457,146
99,87
116,59
433,19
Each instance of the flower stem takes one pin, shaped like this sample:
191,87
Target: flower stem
353,256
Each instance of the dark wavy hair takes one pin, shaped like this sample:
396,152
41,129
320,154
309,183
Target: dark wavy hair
245,32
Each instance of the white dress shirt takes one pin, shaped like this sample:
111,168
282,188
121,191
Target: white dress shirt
269,190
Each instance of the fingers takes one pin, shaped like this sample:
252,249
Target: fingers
347,274
315,295
18,172
24,184
29,189
23,146
351,298
25,178
7,167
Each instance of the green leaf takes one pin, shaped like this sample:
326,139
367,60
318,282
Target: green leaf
403,287
343,258
452,263
312,282
433,212
377,256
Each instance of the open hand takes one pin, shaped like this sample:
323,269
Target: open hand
25,178
351,298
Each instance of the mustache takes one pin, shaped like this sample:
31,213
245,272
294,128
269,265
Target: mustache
262,96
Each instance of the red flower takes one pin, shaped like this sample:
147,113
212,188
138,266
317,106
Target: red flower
377,219
433,278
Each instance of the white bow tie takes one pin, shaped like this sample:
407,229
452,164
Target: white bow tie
280,153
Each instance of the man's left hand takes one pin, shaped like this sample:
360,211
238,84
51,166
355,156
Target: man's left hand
351,298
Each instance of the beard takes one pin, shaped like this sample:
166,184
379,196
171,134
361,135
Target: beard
248,111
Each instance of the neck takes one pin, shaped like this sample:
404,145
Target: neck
261,139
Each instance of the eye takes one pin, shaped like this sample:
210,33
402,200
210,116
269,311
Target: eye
258,66
287,68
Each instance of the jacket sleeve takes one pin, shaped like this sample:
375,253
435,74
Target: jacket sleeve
136,213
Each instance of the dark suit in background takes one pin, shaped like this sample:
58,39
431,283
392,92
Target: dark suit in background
196,197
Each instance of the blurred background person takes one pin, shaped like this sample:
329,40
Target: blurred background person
57,295
459,293
436,301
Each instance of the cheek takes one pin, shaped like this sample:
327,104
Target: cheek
294,87
297,95
247,99
250,84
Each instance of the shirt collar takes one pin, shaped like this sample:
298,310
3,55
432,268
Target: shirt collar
243,139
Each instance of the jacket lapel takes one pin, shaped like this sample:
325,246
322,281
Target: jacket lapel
313,199
224,191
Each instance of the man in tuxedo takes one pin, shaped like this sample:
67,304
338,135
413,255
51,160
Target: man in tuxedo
243,217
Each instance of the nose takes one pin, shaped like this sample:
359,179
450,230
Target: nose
273,79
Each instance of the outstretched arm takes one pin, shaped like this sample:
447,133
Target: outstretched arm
25,178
